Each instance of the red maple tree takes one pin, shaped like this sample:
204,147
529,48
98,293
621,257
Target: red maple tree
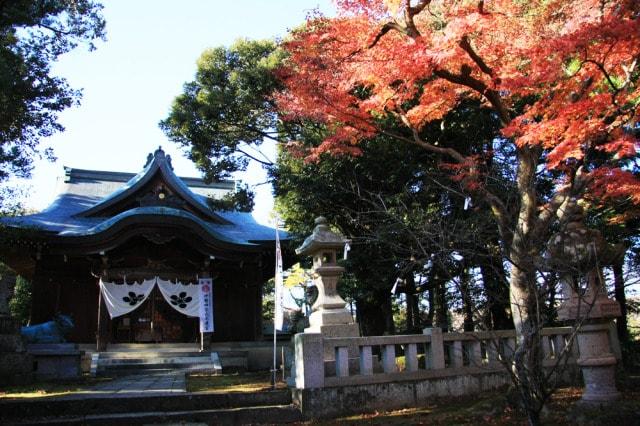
562,76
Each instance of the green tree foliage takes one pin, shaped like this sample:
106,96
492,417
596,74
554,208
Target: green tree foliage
389,198
33,34
20,303
239,200
227,111
406,217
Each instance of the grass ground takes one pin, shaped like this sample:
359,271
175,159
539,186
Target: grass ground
236,382
491,408
50,388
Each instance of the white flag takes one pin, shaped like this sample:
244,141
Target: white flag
206,305
395,285
278,314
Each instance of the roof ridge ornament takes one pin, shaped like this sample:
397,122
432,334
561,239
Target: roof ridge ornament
159,155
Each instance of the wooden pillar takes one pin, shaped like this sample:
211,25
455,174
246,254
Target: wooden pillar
256,278
102,332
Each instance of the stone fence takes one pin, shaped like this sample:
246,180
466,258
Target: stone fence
339,375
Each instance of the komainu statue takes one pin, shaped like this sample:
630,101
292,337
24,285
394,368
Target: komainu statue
50,331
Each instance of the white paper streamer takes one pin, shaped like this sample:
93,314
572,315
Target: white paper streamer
347,249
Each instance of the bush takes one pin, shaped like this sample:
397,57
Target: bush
20,303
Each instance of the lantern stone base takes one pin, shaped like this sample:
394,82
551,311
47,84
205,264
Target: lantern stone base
336,330
579,309
597,364
347,328
326,317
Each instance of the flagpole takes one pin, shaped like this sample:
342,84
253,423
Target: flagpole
273,370
277,304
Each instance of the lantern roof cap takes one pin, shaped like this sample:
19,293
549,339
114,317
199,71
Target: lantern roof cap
321,238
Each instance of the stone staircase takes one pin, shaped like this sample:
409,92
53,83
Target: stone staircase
270,407
120,359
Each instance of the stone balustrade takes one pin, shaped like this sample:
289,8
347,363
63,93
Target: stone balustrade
382,359
338,375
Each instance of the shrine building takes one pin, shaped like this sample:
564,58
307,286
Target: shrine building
145,240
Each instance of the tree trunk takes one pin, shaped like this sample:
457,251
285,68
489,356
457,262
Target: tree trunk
374,313
467,303
618,280
413,310
527,359
440,299
495,287
525,246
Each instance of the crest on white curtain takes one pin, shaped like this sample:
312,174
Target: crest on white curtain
184,298
121,299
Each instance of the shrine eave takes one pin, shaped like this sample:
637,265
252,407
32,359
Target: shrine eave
99,208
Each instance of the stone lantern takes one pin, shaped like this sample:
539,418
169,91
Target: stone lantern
584,251
329,315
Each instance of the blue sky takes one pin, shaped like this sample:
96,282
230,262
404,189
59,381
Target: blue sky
130,81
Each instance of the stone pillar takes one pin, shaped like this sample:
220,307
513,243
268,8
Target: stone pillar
309,361
329,315
437,361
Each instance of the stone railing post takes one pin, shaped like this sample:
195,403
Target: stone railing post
456,356
437,347
309,360
411,357
366,361
342,361
389,358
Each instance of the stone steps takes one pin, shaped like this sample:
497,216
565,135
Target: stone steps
211,408
132,358
129,358
153,347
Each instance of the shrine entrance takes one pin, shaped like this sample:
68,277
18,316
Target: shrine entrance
154,321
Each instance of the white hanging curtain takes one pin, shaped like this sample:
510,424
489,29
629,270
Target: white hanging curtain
124,298
184,298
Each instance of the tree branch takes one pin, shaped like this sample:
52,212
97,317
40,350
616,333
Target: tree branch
54,30
391,25
264,163
498,208
465,79
465,44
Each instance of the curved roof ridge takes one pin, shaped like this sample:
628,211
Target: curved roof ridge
157,161
149,211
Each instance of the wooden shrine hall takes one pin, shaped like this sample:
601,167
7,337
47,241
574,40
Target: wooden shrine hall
149,237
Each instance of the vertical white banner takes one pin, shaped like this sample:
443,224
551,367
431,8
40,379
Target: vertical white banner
206,305
278,299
